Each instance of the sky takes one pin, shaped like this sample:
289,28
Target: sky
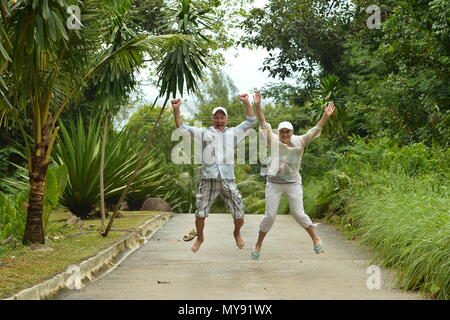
242,65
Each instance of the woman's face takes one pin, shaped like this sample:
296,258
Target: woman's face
285,135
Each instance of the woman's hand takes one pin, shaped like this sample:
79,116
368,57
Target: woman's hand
329,109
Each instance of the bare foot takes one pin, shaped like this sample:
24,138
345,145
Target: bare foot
196,245
239,241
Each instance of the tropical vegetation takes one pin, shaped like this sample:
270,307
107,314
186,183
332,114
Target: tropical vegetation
380,170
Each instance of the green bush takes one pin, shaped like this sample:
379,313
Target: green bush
395,200
79,150
406,220
12,215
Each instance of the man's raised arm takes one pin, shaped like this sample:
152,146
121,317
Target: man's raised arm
251,119
176,103
182,127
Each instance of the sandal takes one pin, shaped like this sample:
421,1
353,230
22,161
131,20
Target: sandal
255,254
191,235
318,248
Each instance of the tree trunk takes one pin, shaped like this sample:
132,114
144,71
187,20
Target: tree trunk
102,169
34,228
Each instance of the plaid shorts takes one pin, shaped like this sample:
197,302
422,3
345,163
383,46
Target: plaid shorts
209,190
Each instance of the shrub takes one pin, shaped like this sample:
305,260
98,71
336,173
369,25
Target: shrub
395,200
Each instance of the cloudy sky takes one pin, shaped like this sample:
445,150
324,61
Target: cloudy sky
241,65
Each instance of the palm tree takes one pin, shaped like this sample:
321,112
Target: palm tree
176,71
45,66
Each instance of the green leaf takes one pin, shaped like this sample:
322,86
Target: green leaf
50,195
51,188
40,32
52,28
6,6
61,178
45,10
61,28
4,53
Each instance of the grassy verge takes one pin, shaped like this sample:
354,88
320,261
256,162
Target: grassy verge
403,219
395,200
21,267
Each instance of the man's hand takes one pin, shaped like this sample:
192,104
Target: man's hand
329,109
244,98
257,98
176,103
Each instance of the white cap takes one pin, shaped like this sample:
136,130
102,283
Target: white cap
219,109
285,125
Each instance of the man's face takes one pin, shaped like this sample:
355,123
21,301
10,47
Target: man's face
220,120
285,135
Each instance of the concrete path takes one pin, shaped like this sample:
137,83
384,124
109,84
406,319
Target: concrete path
165,267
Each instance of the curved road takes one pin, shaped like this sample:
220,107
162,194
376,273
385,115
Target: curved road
165,267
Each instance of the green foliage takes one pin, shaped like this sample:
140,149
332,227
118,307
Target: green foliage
7,169
395,200
55,184
185,184
252,189
403,78
12,215
382,155
285,94
302,35
149,15
79,151
181,65
394,81
407,223
329,90
56,64
13,210
141,123
157,179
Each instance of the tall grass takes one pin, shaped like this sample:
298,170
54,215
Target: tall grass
396,201
407,221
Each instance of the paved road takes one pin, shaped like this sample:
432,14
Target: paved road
165,268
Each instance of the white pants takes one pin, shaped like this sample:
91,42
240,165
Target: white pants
294,193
